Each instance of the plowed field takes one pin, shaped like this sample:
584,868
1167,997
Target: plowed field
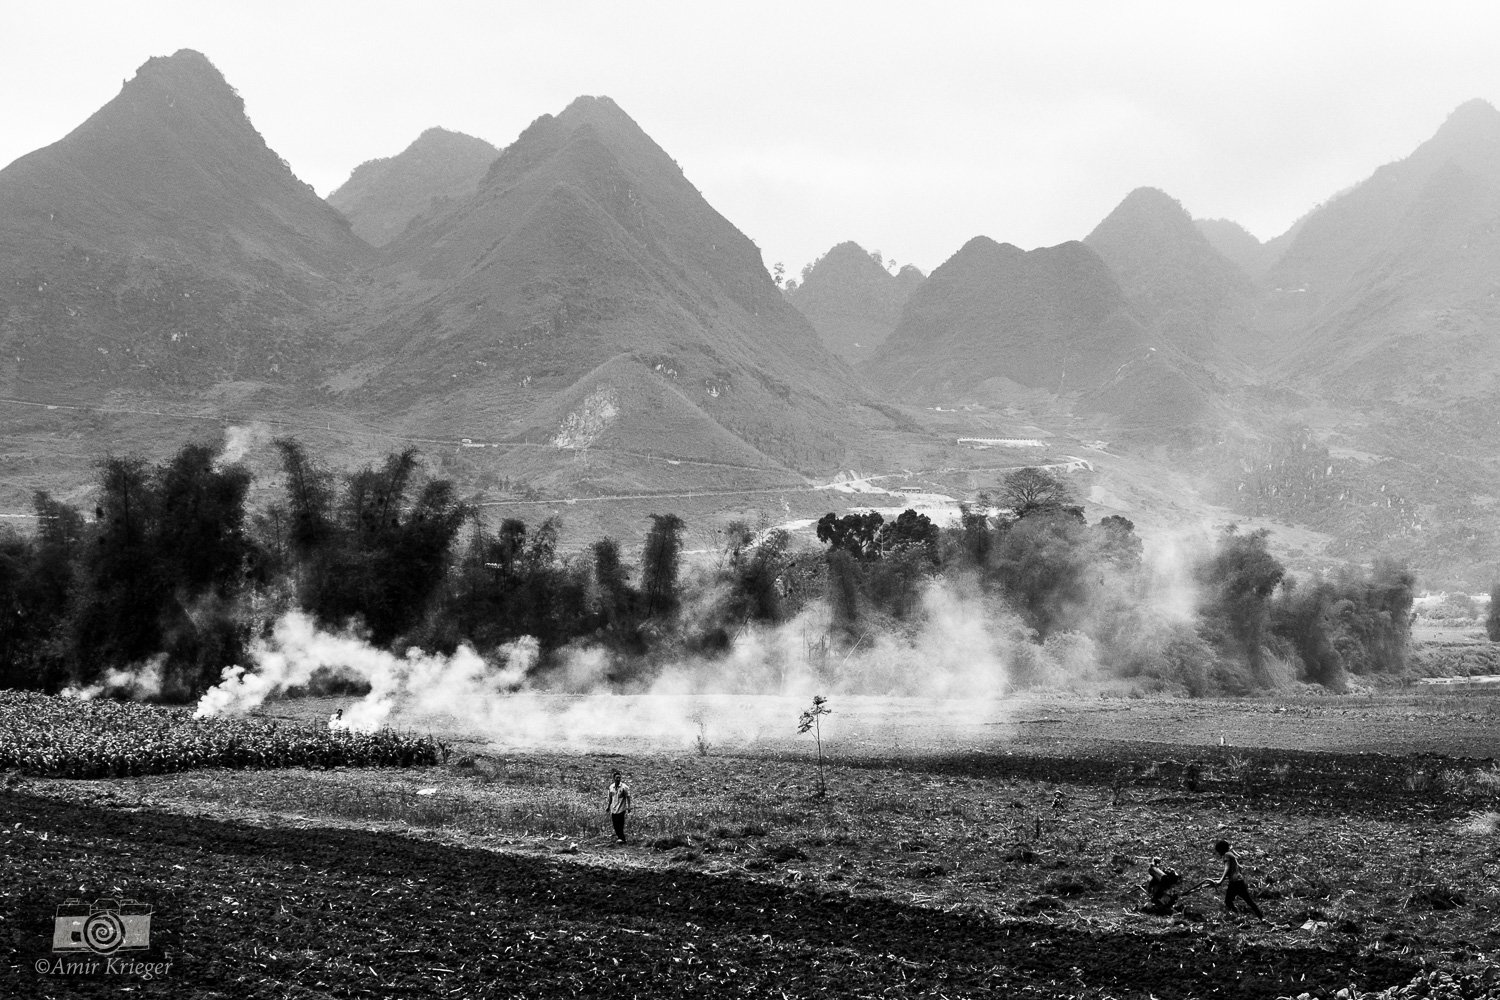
983,865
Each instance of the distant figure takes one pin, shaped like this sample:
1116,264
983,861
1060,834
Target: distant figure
336,721
1234,881
619,803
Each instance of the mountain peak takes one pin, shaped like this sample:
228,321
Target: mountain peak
1169,269
1476,114
1469,137
589,104
600,112
983,246
169,186
187,74
1152,198
852,300
1146,209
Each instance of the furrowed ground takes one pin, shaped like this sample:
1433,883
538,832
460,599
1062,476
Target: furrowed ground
995,857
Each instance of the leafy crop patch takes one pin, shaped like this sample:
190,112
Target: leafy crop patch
64,738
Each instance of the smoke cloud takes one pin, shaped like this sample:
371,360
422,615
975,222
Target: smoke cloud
240,440
955,654
140,683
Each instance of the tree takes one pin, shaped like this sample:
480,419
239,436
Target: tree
843,587
1117,543
122,591
375,555
37,582
1238,582
1032,491
309,491
910,529
1043,564
1374,617
659,565
778,273
1302,616
616,601
811,718
201,514
853,533
754,572
1492,619
975,538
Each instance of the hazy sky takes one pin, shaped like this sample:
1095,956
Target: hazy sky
907,127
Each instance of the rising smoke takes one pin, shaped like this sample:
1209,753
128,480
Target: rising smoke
955,653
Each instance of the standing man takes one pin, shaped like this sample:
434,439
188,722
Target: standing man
619,804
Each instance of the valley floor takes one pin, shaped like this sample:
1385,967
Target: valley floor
1000,857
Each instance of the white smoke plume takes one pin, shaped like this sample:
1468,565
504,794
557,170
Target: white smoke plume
140,683
418,681
240,440
1170,559
955,655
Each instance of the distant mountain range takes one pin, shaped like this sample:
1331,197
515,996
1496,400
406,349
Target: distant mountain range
573,304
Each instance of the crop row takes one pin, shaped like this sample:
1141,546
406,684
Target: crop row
67,738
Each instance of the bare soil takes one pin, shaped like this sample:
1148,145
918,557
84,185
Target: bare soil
996,856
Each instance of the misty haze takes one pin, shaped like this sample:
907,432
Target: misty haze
932,615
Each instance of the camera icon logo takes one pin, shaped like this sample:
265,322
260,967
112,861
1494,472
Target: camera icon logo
102,927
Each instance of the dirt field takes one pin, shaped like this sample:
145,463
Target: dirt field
960,850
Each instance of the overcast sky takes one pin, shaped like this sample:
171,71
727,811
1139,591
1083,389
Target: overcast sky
906,127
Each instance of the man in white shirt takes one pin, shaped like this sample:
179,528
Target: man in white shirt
619,804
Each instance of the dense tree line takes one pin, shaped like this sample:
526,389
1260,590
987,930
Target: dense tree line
172,573
1251,625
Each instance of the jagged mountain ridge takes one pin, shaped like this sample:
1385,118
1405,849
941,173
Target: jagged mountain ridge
383,195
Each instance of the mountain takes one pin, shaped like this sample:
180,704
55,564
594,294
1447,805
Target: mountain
852,300
1192,296
382,196
1382,314
1388,287
163,245
1237,244
1350,232
1052,318
587,284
